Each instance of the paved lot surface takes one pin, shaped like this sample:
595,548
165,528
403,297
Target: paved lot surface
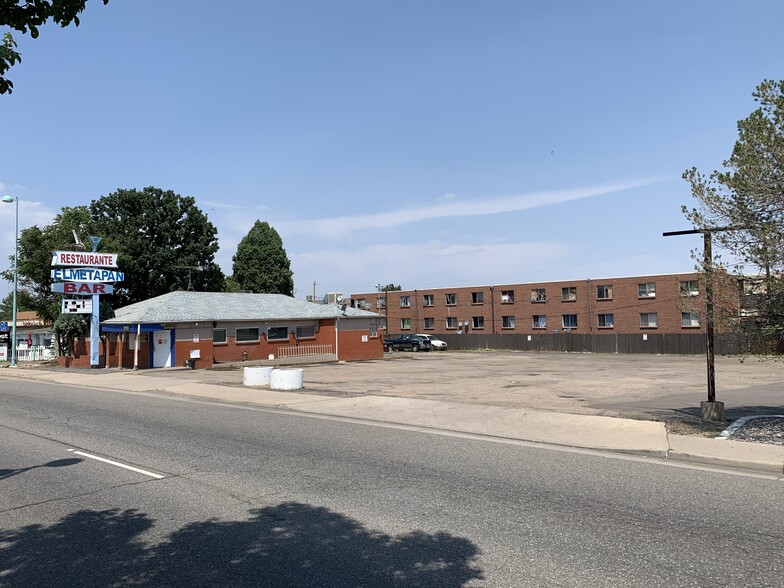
646,386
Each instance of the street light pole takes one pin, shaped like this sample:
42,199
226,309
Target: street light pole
8,200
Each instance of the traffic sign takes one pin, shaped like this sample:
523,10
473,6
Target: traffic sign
3,325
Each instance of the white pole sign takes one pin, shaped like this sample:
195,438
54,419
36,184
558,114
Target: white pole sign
77,306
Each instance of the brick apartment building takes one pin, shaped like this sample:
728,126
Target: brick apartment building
666,304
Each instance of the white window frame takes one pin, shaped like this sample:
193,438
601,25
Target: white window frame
246,340
608,292
451,322
405,301
451,296
646,290
563,321
645,320
507,296
405,324
478,322
690,319
602,318
538,295
430,323
428,300
539,324
301,334
569,294
685,288
477,297
278,328
508,322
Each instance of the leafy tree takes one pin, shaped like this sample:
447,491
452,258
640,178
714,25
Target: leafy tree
35,259
68,327
261,263
23,302
26,17
748,198
164,241
391,288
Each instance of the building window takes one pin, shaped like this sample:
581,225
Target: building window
606,321
538,295
218,336
569,321
428,300
478,322
477,297
540,321
451,322
430,323
306,332
690,319
507,322
507,296
604,292
381,302
361,303
569,294
373,329
646,290
689,288
246,334
451,299
649,320
405,324
405,301
277,334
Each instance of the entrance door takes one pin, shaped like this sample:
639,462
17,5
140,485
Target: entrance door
162,352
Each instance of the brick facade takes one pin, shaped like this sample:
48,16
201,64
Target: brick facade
610,305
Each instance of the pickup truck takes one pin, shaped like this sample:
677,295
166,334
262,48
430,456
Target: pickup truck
406,341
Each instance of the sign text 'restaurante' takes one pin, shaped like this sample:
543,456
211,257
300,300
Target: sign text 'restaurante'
84,258
86,274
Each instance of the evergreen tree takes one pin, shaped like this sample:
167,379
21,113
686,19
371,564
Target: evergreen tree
261,263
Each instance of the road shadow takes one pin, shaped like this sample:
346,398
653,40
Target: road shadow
58,463
291,544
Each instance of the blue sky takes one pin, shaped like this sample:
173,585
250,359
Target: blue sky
425,143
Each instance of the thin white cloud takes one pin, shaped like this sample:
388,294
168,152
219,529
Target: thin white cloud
341,226
218,204
357,270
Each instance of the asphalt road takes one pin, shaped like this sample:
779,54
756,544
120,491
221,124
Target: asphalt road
253,497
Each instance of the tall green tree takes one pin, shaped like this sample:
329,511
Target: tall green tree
748,198
164,241
261,263
26,16
35,258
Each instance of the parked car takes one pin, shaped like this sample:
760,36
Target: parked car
407,341
437,344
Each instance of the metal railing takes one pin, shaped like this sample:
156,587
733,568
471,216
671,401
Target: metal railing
304,350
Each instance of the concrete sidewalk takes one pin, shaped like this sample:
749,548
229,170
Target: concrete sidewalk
603,433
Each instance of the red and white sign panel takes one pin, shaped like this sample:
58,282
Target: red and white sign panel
82,288
84,258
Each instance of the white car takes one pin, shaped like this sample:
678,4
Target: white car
436,344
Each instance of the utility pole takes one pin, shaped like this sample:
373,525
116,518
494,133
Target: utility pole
710,410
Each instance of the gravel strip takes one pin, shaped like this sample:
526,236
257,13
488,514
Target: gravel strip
761,430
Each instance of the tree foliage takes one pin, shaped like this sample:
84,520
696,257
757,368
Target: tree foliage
26,17
390,288
35,258
747,197
164,241
68,327
261,264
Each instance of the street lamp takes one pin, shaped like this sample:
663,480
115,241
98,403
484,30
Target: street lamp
9,200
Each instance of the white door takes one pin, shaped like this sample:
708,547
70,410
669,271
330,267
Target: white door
161,345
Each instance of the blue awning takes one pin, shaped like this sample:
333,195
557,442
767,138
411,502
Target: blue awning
131,328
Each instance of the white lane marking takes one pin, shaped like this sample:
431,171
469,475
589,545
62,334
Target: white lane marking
116,463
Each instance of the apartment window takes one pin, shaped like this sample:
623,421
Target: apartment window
538,295
649,320
604,292
569,321
477,297
540,321
478,322
689,288
306,332
690,319
507,296
568,294
405,324
428,300
451,299
361,303
430,322
405,301
646,290
218,336
277,334
381,302
606,321
507,322
451,322
246,334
